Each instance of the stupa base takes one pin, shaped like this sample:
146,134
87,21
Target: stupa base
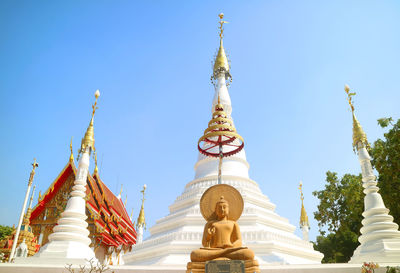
380,251
62,252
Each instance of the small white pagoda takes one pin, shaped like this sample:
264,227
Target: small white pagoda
270,236
69,242
380,236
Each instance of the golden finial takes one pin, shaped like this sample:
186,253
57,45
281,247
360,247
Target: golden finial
303,213
120,192
359,135
301,191
88,139
221,63
141,220
32,174
349,96
71,157
221,25
95,163
132,214
126,200
34,164
40,196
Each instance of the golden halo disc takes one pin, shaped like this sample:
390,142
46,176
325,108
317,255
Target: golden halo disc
213,194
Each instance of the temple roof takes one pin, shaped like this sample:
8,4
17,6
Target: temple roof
113,225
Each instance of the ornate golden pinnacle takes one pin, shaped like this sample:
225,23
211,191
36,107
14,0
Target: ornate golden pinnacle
32,174
88,139
303,213
359,135
349,96
221,27
141,219
301,191
221,64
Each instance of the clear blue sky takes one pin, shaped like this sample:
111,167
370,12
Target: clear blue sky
151,61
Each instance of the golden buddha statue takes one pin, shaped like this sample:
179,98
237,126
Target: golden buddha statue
221,205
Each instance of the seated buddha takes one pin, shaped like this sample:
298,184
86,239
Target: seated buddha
221,236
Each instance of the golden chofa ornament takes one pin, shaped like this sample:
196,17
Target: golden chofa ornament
220,139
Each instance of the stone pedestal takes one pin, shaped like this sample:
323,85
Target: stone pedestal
223,266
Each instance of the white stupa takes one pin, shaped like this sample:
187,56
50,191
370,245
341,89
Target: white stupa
269,235
380,236
69,242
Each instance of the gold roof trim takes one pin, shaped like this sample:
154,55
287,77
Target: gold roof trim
51,187
71,157
359,135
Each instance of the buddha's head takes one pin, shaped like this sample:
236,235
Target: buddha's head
222,208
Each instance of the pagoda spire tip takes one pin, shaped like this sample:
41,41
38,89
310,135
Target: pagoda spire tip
88,139
221,63
359,135
141,222
303,213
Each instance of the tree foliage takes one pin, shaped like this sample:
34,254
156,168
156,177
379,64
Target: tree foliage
386,160
339,212
5,231
337,247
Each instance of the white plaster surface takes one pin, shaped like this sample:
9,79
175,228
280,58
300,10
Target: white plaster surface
269,235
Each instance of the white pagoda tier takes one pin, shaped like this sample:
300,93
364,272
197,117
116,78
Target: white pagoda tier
269,235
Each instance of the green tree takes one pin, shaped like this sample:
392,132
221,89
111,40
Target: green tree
5,231
386,160
339,212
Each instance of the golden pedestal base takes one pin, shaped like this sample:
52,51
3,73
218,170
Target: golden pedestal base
199,267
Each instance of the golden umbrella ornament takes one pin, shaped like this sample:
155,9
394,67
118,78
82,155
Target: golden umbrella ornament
220,139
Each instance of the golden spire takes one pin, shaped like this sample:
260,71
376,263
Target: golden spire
358,132
88,139
71,157
303,213
126,200
221,63
141,221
